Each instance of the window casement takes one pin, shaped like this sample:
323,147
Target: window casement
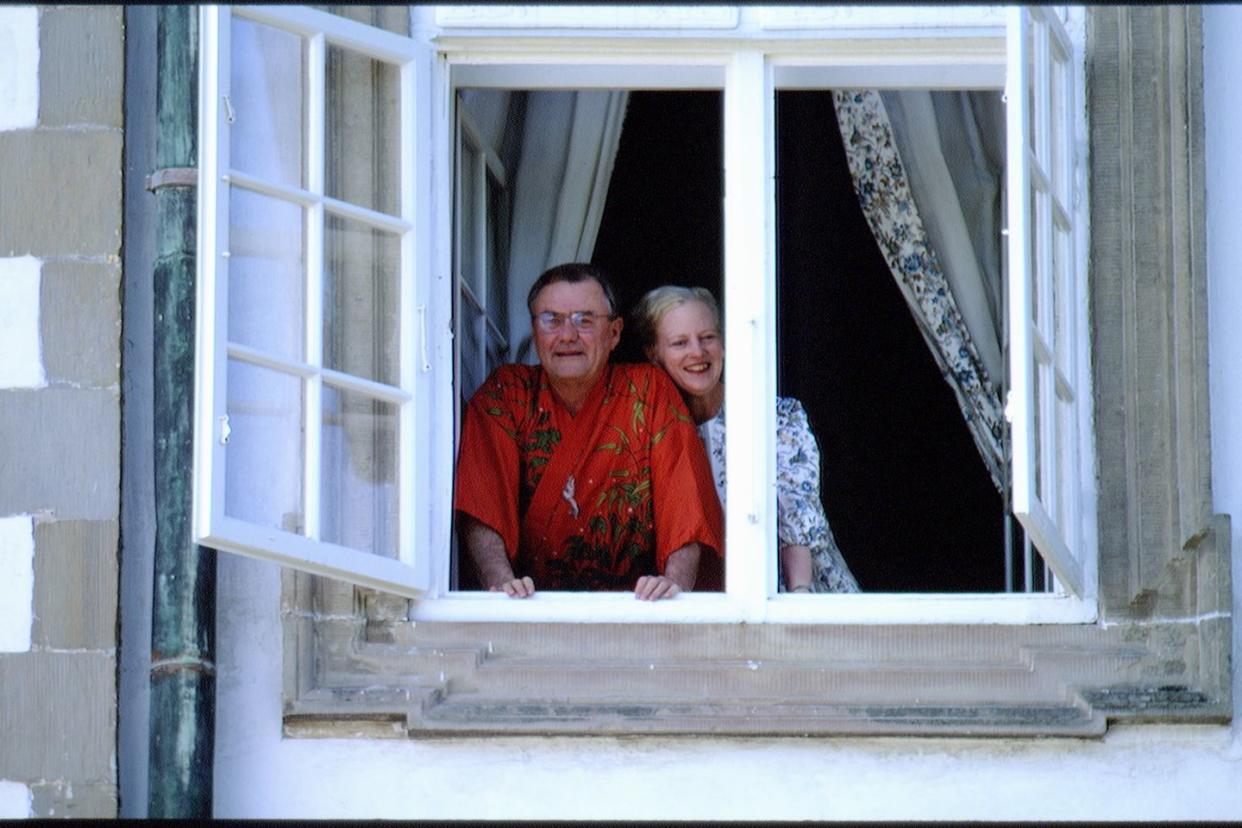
329,449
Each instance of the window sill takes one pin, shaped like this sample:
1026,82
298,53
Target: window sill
695,608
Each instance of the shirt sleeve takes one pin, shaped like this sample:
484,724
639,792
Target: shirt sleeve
686,506
488,464
799,513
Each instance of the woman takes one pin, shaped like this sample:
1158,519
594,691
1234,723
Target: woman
680,331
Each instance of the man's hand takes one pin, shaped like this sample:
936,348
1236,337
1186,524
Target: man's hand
655,587
516,587
679,574
488,552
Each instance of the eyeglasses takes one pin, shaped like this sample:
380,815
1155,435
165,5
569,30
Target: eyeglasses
584,321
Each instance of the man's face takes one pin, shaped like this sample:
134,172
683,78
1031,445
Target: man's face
569,355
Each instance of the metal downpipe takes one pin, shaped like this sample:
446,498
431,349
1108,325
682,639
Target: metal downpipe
182,723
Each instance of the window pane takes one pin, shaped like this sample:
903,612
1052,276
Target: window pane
472,342
497,256
263,457
363,117
468,221
266,269
268,134
869,341
361,300
359,472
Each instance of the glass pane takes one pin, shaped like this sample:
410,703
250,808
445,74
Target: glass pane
468,234
1037,374
497,257
1065,460
1062,301
1059,133
363,135
359,472
267,98
1032,72
263,457
266,268
472,344
361,300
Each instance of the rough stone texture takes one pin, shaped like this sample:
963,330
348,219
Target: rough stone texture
58,717
80,66
65,800
60,452
62,192
81,322
76,585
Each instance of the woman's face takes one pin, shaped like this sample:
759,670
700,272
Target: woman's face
689,348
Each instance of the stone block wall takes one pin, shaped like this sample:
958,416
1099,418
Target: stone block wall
61,139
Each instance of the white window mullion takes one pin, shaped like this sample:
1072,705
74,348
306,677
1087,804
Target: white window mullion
749,299
413,339
213,238
313,423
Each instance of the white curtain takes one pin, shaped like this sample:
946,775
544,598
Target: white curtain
569,145
940,242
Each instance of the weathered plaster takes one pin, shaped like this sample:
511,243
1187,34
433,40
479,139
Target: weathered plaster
20,285
16,583
19,67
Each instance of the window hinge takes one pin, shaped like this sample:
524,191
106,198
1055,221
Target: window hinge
173,177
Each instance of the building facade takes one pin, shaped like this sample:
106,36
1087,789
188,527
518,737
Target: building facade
336,701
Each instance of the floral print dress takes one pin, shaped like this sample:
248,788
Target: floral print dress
799,513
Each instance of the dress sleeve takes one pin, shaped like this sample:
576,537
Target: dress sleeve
488,464
799,512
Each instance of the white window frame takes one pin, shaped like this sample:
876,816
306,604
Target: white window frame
748,71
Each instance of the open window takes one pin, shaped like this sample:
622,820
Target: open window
316,367
312,359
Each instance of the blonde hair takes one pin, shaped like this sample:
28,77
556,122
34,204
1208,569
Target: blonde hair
651,309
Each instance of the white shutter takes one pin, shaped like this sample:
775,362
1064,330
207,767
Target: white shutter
1045,284
306,425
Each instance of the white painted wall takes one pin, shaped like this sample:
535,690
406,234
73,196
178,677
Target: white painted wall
21,360
1222,31
1134,772
16,582
19,67
15,800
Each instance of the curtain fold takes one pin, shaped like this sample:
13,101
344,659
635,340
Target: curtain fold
948,274
569,145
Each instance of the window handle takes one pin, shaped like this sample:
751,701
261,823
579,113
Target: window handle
225,430
229,114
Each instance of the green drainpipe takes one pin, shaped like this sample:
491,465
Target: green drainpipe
183,602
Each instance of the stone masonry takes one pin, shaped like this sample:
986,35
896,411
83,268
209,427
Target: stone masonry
62,69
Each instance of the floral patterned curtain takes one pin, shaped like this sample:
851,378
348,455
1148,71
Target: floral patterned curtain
887,202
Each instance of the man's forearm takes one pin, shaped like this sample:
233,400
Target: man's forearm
682,566
488,552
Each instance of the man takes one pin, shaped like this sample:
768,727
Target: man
575,474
